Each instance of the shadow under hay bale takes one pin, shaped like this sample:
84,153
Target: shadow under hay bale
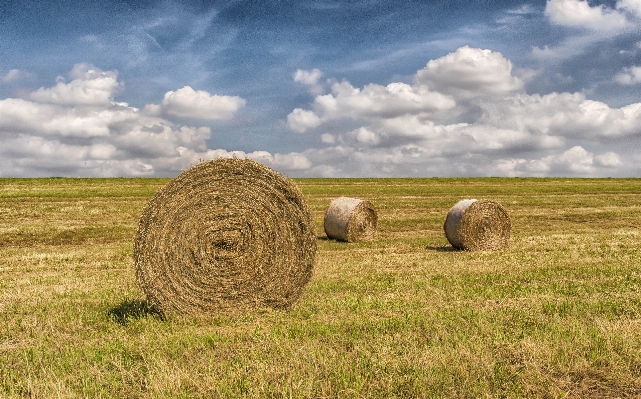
441,248
478,225
225,235
351,220
132,310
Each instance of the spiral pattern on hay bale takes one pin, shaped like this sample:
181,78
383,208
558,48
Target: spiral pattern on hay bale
226,234
478,225
350,219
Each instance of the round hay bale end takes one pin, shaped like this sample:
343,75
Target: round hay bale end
224,235
478,225
351,220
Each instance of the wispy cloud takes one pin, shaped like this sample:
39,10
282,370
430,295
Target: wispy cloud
15,75
592,24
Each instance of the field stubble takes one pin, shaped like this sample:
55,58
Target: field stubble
557,314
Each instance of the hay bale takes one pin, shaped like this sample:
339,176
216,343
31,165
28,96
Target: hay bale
226,234
481,225
351,220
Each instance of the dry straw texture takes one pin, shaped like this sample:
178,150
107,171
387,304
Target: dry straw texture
224,235
351,220
481,225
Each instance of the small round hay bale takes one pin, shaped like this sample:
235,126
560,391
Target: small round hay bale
224,235
351,220
481,225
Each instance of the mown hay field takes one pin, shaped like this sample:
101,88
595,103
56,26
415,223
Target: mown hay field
557,314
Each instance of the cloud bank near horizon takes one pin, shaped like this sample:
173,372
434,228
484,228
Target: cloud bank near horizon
467,114
76,128
464,114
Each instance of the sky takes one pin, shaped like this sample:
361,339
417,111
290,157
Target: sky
321,88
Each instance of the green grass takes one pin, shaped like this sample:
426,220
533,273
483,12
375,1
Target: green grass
556,315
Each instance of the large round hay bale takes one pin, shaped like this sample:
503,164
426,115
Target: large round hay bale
224,235
481,225
350,219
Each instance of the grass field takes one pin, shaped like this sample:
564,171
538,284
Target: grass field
556,315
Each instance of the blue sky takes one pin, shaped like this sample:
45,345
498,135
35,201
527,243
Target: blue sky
321,88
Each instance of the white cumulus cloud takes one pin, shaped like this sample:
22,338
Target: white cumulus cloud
328,138
289,162
366,136
90,86
299,120
609,159
373,101
470,72
77,129
311,79
579,13
629,76
198,104
466,113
